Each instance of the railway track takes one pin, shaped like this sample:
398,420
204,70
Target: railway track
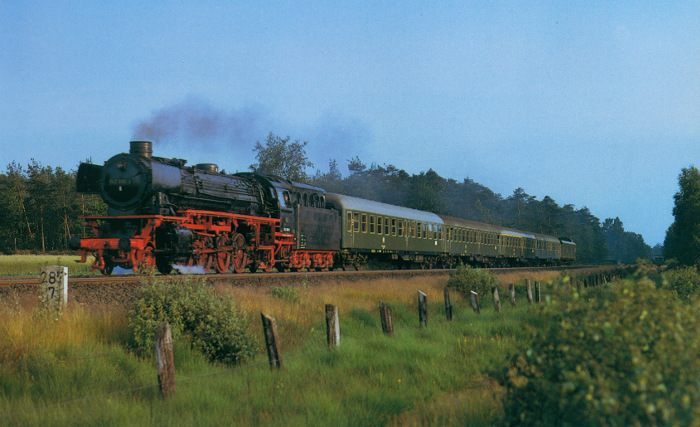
9,281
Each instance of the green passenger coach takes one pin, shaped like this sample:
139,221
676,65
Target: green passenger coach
388,232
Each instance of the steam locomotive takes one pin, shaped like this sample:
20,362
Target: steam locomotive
162,213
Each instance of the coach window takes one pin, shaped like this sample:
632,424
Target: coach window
348,220
356,221
371,224
386,226
400,228
363,223
379,225
393,226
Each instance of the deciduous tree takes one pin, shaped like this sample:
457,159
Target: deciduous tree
683,236
282,158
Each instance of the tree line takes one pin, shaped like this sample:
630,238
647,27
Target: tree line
41,206
596,242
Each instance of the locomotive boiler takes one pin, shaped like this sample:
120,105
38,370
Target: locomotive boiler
137,183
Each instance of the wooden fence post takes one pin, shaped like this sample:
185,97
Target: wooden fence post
496,299
529,291
164,360
475,302
422,309
271,340
385,314
512,294
448,304
538,294
332,326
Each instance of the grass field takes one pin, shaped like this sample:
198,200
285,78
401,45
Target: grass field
30,265
77,371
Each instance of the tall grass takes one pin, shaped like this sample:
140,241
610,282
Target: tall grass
77,371
30,265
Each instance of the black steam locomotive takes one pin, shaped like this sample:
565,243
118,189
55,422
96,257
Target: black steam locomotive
163,213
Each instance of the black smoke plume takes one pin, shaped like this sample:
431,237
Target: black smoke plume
196,121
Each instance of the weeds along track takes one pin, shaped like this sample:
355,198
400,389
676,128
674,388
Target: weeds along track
121,290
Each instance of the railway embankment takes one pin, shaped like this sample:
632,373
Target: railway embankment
122,290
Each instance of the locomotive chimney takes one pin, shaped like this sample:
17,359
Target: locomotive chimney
141,148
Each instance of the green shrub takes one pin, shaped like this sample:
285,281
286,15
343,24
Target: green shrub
285,293
465,279
683,281
212,324
627,354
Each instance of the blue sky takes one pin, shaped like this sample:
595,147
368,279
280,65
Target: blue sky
595,104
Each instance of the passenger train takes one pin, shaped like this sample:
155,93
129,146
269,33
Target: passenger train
162,213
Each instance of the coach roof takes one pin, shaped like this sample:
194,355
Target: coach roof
349,203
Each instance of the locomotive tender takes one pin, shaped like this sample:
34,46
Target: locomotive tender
162,213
